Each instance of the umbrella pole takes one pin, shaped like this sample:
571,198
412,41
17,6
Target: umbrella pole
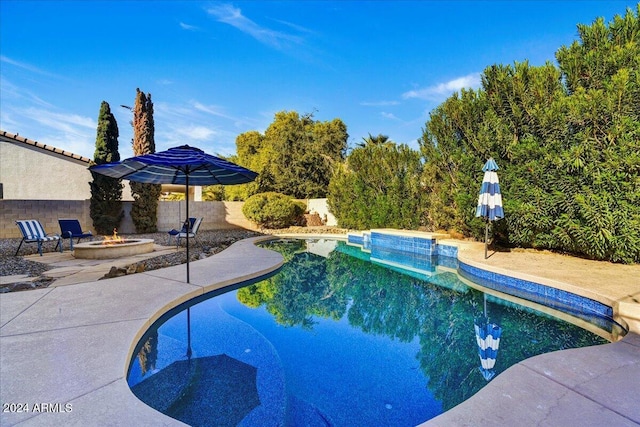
486,239
186,198
189,333
485,306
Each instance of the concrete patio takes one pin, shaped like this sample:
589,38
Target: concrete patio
68,347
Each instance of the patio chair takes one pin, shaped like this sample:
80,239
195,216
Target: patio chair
70,228
193,232
173,233
33,232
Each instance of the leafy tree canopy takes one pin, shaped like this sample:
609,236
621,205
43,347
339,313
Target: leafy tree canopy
295,156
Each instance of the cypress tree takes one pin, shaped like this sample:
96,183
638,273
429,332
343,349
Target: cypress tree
144,211
105,206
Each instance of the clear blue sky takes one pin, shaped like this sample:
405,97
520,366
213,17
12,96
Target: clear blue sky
218,69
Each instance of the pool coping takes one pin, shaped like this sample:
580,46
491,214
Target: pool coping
66,350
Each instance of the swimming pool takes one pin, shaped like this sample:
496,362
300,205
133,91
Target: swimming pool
334,339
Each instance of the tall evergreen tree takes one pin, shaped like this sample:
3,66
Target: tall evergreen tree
144,211
565,138
378,186
106,193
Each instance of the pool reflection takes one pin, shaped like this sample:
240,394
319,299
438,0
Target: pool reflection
304,311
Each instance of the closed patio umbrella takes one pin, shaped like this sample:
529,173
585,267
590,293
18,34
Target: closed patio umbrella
179,165
490,200
488,339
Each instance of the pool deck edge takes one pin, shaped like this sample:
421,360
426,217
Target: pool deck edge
72,344
625,308
69,347
589,386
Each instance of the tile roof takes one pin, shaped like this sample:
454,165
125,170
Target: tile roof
9,137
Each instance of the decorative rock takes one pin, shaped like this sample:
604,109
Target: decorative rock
313,220
115,272
214,241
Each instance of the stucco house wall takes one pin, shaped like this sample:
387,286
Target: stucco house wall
30,170
320,207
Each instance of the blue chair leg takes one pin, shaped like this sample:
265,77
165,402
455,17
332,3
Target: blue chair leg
40,247
19,246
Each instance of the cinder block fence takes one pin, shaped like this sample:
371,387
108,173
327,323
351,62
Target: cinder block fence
217,215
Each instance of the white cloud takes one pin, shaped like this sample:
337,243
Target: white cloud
379,103
217,111
233,16
11,91
443,90
80,144
213,110
169,113
204,126
25,66
7,121
195,132
68,123
296,27
69,132
389,116
188,27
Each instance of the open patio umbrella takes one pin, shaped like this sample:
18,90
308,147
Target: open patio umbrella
490,200
222,390
179,165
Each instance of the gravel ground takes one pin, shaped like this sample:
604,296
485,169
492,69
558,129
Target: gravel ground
208,243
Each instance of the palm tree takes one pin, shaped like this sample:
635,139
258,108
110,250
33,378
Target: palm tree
375,140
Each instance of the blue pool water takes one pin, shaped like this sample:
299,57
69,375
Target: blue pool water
334,339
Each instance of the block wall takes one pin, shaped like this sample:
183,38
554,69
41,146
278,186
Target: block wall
217,215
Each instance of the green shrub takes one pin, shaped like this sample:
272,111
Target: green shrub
378,186
273,210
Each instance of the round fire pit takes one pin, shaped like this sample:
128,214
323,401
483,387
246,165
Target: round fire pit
119,249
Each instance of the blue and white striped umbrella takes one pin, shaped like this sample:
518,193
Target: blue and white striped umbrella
490,199
179,165
488,340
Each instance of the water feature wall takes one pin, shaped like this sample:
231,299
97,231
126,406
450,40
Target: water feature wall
405,241
412,250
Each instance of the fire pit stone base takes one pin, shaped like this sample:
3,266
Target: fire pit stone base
98,250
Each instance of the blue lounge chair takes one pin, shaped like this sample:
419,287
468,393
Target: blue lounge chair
174,233
194,225
33,232
70,229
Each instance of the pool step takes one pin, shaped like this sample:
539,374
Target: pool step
302,413
165,380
